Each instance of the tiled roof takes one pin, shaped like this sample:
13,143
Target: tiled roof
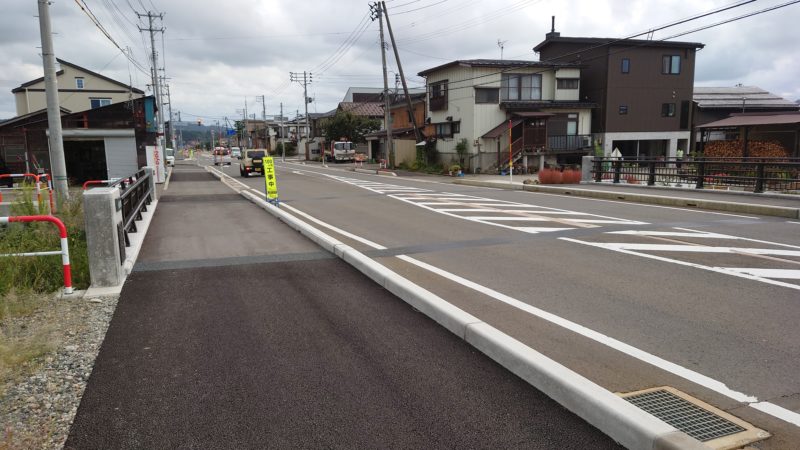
371,109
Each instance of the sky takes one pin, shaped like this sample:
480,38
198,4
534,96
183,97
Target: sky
222,56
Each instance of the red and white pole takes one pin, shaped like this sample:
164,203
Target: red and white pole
62,231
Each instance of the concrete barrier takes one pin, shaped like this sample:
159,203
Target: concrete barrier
104,240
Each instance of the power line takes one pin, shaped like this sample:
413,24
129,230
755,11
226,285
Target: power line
416,9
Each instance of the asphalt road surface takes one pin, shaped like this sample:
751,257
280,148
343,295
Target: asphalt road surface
629,295
235,332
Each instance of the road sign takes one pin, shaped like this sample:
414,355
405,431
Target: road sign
269,179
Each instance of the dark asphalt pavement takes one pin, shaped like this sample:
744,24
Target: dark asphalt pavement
292,352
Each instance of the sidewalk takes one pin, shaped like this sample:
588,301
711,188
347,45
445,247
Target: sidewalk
234,331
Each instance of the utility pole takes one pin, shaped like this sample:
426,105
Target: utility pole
295,76
413,116
58,165
282,138
264,118
377,12
171,122
156,86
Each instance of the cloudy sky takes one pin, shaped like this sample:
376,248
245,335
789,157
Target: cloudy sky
219,55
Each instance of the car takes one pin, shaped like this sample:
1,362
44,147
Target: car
252,161
236,152
222,157
169,157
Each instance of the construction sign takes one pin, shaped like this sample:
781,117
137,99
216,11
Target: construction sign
270,180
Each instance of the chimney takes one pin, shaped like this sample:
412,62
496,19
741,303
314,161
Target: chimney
552,33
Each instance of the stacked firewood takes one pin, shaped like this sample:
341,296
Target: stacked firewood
755,149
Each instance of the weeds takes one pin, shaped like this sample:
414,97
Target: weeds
41,274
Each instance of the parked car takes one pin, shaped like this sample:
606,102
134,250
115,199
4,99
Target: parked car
169,156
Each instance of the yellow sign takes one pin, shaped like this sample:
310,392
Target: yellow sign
269,178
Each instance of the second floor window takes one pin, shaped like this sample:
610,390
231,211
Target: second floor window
487,95
98,102
671,64
78,83
668,110
626,65
438,96
567,83
521,87
447,129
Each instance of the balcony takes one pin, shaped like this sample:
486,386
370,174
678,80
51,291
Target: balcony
569,143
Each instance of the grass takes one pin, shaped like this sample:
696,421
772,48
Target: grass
41,274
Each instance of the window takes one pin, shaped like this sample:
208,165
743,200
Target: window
572,124
521,87
487,95
98,102
438,96
626,65
623,109
79,82
447,129
567,83
671,64
668,110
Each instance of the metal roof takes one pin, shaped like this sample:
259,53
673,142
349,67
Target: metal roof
501,129
738,96
592,41
741,120
496,64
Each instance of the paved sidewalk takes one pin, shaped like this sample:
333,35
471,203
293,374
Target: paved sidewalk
233,331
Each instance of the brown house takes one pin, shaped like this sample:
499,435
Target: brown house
643,90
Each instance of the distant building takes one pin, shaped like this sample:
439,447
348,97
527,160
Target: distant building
79,89
715,103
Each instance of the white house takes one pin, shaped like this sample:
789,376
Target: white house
477,99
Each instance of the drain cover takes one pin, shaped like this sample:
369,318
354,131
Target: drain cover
697,422
707,424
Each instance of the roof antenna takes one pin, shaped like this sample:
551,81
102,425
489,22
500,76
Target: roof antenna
501,44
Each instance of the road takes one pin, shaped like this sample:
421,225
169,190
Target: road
234,331
629,295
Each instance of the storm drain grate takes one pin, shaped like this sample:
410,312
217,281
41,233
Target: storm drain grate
693,420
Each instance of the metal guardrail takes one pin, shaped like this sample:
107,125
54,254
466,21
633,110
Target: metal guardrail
753,174
62,234
135,195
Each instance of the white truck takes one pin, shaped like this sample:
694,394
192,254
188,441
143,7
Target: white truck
341,151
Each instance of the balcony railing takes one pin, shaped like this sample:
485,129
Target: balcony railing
568,143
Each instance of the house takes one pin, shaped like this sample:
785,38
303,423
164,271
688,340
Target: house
369,94
404,137
79,89
716,103
643,90
478,100
102,143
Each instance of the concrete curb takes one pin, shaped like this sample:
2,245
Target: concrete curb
623,422
376,171
682,202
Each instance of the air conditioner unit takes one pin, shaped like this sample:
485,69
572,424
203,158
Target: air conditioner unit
586,141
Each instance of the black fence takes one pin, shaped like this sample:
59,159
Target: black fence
135,194
748,174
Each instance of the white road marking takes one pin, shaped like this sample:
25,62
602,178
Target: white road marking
786,274
695,249
703,235
721,270
688,374
744,239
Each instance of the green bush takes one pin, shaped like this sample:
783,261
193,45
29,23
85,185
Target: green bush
42,274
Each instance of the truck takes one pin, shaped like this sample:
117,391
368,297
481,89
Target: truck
222,156
341,151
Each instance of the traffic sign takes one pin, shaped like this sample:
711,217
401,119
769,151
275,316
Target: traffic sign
270,181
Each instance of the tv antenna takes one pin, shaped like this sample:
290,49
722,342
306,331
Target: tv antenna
501,44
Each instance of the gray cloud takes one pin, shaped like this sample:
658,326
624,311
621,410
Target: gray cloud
219,55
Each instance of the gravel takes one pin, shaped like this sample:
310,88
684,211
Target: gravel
38,400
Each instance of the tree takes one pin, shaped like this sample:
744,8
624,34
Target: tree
349,126
239,125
